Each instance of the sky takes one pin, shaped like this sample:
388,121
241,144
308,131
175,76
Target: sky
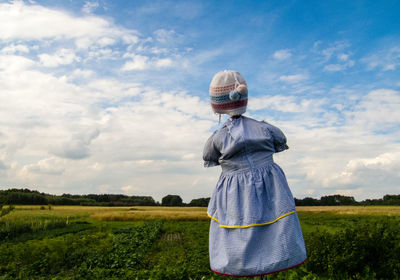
112,96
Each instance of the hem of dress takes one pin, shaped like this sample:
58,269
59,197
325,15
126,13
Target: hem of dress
261,274
253,225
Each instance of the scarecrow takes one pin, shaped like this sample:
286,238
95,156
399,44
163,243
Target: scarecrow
254,226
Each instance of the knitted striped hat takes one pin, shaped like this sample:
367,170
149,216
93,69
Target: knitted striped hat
228,93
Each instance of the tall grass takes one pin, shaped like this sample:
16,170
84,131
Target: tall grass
4,211
353,210
144,213
154,213
13,228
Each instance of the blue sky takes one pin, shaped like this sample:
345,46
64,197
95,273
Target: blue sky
112,96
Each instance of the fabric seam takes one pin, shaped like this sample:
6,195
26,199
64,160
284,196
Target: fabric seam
252,225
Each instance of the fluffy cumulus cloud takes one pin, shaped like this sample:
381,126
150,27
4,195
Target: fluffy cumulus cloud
65,131
19,21
62,56
356,157
79,132
15,49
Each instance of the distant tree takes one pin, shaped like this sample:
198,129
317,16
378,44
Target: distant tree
200,202
391,199
171,200
26,196
337,199
307,201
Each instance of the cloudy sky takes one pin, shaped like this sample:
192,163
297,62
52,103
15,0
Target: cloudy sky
112,96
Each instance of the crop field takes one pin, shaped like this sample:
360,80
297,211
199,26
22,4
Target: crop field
142,242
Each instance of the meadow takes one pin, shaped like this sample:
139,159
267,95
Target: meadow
144,242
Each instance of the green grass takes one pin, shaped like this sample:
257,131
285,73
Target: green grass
333,222
86,248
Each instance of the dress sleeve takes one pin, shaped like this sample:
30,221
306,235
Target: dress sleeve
210,153
278,137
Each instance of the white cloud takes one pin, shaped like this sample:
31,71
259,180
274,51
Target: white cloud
138,62
355,157
77,147
20,21
82,73
163,62
14,63
283,103
164,36
83,125
339,67
141,62
385,60
89,7
378,110
61,57
11,49
293,78
127,189
106,41
282,54
130,39
343,57
348,192
336,57
335,48
2,165
143,136
49,166
382,168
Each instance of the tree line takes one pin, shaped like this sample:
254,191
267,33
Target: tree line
337,199
33,197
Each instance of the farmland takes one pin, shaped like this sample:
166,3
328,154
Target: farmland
143,242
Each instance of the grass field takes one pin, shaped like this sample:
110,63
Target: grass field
85,242
140,213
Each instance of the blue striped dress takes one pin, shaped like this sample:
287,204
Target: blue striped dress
254,226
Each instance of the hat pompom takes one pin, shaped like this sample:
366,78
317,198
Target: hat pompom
242,89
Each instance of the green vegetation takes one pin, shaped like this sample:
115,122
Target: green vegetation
64,242
32,197
4,211
99,253
200,202
171,200
337,199
364,251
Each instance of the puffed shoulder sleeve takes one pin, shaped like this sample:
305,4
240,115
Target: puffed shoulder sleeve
210,153
278,137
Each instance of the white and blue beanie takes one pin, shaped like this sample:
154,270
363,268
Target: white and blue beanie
228,93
